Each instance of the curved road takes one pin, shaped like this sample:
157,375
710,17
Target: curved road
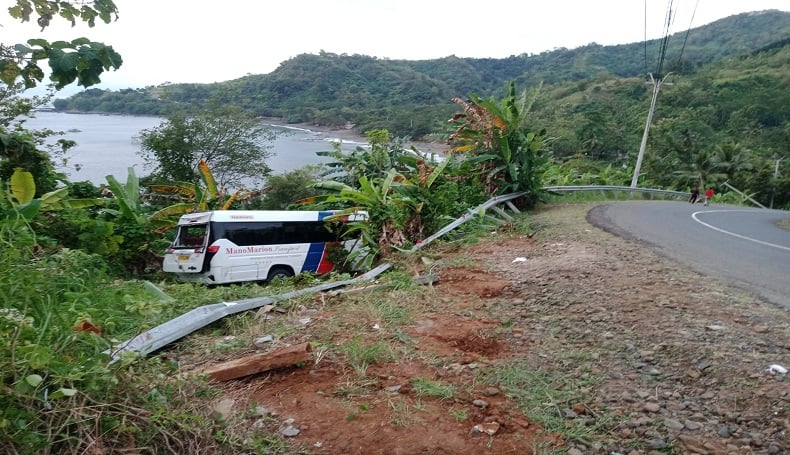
741,246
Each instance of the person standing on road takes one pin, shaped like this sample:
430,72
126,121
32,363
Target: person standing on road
708,195
694,195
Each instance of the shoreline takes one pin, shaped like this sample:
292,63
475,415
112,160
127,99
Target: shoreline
348,135
351,135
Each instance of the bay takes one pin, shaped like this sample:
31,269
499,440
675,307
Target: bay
109,145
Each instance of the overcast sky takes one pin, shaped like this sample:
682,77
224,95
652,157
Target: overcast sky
213,41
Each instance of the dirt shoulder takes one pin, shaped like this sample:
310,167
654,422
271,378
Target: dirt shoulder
570,340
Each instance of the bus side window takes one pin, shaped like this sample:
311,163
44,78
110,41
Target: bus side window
291,233
253,234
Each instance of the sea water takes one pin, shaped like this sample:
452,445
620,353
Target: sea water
110,144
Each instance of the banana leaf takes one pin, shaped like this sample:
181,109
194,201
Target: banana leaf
23,186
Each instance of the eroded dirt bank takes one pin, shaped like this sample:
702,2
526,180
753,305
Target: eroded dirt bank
650,357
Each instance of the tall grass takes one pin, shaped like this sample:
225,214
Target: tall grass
60,311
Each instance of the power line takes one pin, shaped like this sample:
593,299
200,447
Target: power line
645,40
665,40
685,39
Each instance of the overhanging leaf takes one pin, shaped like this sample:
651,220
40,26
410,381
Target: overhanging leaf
23,186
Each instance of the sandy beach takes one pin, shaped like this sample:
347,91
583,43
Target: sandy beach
350,134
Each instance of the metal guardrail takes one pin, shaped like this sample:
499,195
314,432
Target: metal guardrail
183,325
495,202
472,213
623,189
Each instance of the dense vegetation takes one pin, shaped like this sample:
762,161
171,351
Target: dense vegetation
73,252
73,256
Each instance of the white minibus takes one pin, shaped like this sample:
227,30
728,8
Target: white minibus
230,246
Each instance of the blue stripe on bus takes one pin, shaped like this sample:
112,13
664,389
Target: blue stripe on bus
324,214
313,258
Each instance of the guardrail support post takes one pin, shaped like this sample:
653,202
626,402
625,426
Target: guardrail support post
502,213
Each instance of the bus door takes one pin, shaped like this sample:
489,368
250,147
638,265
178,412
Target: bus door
187,253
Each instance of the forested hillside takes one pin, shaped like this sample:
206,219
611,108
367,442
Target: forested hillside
413,97
726,100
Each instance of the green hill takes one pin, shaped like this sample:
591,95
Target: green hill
412,97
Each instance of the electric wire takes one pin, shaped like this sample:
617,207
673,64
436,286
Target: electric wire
645,40
685,39
665,40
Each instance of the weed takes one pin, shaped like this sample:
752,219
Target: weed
543,396
459,414
361,355
426,387
359,386
402,415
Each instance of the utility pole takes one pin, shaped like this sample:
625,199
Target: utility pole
776,177
656,87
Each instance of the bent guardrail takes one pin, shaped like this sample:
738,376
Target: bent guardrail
472,213
494,203
164,334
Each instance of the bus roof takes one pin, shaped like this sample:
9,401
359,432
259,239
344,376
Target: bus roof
255,215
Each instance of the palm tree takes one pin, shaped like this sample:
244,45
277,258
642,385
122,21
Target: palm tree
702,168
732,158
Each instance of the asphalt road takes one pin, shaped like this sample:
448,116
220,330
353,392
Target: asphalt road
742,246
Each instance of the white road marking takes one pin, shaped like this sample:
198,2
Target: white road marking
694,215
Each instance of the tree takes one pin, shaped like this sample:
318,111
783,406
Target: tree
285,190
80,59
13,105
20,149
230,141
701,170
732,158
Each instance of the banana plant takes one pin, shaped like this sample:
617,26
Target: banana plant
417,186
193,198
494,136
388,206
22,192
127,196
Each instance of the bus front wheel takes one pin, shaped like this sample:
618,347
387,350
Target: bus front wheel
280,272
